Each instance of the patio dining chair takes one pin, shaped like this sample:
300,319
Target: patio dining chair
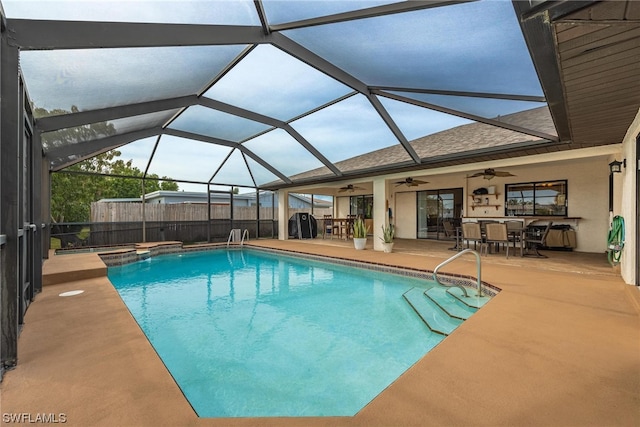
515,231
347,226
496,233
471,233
450,233
534,238
483,224
330,227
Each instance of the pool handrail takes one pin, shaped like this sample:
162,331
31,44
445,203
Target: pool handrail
234,236
458,255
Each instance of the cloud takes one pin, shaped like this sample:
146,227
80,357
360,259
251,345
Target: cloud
232,12
99,78
275,84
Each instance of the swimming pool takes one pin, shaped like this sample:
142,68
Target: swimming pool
247,334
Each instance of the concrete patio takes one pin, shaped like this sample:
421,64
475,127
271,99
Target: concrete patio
559,346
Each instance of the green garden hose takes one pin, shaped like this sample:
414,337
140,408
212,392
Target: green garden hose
615,241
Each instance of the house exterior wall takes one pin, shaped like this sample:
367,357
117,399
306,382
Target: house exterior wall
405,215
588,186
197,198
626,185
342,207
239,200
298,204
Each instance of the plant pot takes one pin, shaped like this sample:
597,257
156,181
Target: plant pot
360,242
387,247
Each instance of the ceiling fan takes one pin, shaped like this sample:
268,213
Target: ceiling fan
350,188
410,182
491,173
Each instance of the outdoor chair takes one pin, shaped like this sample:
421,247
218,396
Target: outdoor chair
450,233
514,230
483,224
330,227
347,226
496,233
471,233
534,239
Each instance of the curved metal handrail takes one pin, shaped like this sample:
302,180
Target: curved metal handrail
458,255
234,236
230,237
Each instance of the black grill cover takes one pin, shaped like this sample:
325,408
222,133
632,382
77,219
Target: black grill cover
303,226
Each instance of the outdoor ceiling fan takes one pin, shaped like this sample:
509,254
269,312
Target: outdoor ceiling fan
410,182
491,173
350,188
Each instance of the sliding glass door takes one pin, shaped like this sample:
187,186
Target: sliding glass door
435,207
361,206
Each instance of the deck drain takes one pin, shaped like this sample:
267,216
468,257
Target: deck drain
70,293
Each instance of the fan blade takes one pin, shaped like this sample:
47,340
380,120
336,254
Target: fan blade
503,173
475,175
349,188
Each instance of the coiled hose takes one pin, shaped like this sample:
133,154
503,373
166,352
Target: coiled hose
615,241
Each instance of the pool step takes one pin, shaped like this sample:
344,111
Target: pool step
449,303
68,268
431,314
473,300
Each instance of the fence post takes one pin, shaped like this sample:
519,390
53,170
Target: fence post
144,224
208,213
257,213
231,206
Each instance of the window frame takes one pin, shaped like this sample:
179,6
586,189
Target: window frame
360,209
536,186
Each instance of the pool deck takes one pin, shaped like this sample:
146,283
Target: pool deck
559,346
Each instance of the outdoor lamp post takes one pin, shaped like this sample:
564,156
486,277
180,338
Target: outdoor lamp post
614,167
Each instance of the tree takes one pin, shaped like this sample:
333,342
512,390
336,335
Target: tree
132,187
75,187
72,193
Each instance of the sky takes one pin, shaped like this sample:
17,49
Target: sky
448,48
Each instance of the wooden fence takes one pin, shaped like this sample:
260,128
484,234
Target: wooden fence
179,212
115,223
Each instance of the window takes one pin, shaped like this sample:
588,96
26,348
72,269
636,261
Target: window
546,198
362,206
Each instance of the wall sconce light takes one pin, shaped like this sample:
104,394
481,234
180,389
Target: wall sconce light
616,166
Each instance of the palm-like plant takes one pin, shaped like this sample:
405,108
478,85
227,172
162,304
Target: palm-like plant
388,233
360,230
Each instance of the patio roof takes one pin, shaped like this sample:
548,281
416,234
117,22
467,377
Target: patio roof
229,93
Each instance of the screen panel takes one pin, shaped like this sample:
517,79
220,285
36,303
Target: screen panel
90,79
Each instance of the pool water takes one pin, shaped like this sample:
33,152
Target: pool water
246,333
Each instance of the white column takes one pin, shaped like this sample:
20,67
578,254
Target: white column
283,215
380,211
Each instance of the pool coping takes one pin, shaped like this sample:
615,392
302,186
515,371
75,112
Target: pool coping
123,257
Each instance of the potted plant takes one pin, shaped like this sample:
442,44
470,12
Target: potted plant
360,231
388,233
